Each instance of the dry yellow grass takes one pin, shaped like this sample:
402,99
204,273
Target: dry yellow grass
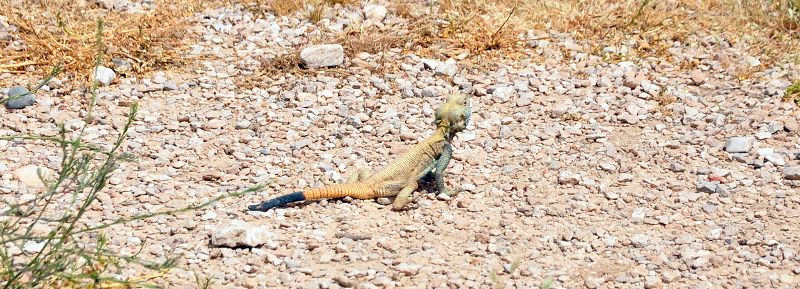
765,28
63,32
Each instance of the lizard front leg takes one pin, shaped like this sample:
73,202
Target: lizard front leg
441,165
404,197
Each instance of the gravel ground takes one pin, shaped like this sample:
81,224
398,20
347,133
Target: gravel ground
592,172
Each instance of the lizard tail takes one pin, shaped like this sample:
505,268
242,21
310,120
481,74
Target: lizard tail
354,190
279,201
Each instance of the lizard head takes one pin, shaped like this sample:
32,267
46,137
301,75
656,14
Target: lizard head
454,113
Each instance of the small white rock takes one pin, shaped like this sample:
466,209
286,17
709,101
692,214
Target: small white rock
33,247
375,12
104,75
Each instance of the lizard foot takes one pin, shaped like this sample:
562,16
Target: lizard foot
452,192
404,197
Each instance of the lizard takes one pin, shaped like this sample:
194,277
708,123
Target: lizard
400,178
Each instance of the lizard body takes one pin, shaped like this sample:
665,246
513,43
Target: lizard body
400,178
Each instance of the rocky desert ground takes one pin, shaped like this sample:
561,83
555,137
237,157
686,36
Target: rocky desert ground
581,168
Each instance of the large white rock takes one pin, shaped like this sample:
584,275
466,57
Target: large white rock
375,12
238,233
739,144
104,75
29,175
325,55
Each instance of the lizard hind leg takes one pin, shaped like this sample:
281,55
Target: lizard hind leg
358,175
404,197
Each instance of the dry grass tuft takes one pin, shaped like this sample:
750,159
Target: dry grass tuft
478,25
283,7
765,28
370,40
62,32
281,64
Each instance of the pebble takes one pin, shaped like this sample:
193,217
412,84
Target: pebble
740,144
384,201
502,94
698,77
763,135
325,55
104,75
408,269
238,233
568,178
447,68
775,159
707,187
525,99
592,281
752,61
19,97
791,173
32,247
375,12
243,124
638,215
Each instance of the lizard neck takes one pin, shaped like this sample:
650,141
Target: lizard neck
444,132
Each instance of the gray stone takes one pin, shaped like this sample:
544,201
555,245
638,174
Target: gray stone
19,98
676,167
429,92
325,55
775,159
723,191
240,234
525,99
763,135
791,173
104,75
625,178
707,187
121,66
568,178
554,165
739,144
